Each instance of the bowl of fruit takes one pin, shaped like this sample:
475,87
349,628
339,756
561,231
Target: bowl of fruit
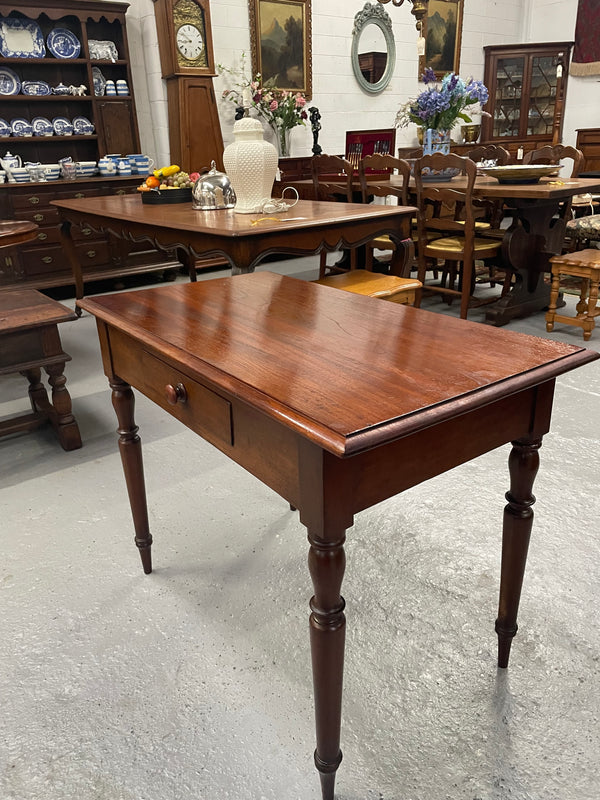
168,185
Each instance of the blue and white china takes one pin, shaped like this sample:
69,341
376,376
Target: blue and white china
9,81
61,89
124,167
103,50
140,163
107,166
42,126
122,87
36,88
82,126
21,38
2,175
52,171
19,175
9,162
85,169
110,89
21,127
4,128
63,43
62,126
99,81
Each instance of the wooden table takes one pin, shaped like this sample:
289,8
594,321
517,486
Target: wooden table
29,340
533,238
243,239
262,367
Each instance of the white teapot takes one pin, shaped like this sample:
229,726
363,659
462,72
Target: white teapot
10,162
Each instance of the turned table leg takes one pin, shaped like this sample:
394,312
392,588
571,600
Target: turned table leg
130,447
326,562
523,465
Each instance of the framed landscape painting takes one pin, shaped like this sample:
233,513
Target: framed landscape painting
442,31
280,36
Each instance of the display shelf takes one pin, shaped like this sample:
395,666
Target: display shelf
527,85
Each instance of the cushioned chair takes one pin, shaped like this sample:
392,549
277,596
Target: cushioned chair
446,230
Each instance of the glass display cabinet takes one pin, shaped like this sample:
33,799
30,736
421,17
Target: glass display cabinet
527,85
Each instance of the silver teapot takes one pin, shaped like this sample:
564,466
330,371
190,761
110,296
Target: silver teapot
213,191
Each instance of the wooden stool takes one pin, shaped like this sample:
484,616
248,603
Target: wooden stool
584,264
372,284
29,340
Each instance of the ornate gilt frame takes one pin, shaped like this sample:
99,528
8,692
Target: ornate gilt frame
264,13
442,8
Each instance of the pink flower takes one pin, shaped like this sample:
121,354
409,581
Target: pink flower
300,101
274,105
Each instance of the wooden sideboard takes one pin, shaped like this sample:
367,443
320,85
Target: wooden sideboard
41,263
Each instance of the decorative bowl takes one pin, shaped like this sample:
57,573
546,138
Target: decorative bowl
521,173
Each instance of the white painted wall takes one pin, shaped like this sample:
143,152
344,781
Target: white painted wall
343,104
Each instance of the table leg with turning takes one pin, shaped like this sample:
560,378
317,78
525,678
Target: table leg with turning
130,448
326,562
523,464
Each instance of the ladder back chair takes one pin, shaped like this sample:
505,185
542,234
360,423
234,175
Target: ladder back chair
446,229
332,178
395,175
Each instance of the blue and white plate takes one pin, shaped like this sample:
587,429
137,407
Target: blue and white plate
62,126
21,38
63,43
20,127
42,126
4,128
35,88
9,81
82,126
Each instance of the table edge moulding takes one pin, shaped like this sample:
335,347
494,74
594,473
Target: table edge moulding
329,428
115,131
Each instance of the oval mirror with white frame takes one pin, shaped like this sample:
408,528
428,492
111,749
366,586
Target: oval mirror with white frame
373,48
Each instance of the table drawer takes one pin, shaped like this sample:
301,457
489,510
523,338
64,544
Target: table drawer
32,198
41,216
45,260
196,406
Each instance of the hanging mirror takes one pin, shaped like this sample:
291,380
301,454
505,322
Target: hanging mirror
373,48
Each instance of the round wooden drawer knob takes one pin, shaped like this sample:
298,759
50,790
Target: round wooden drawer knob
175,394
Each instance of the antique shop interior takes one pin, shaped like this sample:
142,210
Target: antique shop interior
129,134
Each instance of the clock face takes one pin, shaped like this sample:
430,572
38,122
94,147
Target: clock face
190,42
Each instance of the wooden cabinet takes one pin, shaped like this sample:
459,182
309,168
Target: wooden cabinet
527,85
588,141
41,263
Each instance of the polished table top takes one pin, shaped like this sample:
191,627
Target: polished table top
304,354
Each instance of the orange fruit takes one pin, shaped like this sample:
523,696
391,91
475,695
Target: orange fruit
152,182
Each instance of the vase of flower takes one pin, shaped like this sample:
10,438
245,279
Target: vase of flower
282,137
436,141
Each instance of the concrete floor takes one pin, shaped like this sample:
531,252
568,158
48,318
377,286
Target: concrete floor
194,683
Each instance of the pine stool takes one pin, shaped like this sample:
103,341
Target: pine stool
373,284
584,264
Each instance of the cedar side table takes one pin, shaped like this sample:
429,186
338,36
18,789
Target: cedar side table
337,402
29,341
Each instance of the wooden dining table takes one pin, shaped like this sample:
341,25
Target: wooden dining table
336,402
244,240
534,236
